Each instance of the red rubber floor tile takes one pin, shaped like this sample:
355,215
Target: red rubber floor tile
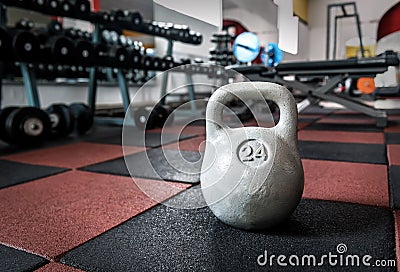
194,144
397,234
307,116
53,215
57,267
73,155
346,112
394,117
393,152
342,137
347,182
300,126
393,128
354,121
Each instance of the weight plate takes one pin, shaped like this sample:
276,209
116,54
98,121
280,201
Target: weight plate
167,117
143,118
148,62
66,7
157,63
160,115
135,58
82,6
118,15
62,48
28,126
150,117
4,113
122,40
106,36
83,117
79,33
134,18
62,120
101,53
84,51
118,56
54,27
52,5
26,45
114,36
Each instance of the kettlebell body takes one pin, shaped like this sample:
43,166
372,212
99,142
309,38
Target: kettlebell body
252,177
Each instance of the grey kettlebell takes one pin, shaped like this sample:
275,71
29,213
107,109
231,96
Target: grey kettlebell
252,177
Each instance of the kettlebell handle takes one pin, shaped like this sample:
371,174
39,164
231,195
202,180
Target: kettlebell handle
287,125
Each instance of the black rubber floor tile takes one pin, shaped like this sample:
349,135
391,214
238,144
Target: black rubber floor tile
345,127
6,149
102,131
317,110
307,120
12,173
170,239
392,138
234,122
96,133
349,152
200,122
394,183
135,137
170,165
338,114
12,259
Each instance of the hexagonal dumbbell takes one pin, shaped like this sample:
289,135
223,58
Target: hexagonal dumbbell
27,126
62,120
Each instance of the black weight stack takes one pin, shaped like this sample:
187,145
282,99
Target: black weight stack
26,46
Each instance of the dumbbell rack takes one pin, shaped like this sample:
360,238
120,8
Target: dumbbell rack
222,53
148,27
189,79
28,76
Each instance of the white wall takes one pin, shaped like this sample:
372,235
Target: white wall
304,45
209,11
14,94
164,14
201,16
370,12
264,26
15,14
261,18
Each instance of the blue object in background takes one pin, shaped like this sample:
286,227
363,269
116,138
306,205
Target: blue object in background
246,47
274,54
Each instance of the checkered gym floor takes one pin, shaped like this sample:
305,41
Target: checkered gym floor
72,206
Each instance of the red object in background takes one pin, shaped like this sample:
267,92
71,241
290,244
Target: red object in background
235,28
95,5
239,28
390,22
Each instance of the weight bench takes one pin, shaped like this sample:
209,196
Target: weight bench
331,72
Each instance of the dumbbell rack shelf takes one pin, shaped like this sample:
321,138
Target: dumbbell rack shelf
145,27
152,28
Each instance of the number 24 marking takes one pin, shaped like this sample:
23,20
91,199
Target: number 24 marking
251,154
